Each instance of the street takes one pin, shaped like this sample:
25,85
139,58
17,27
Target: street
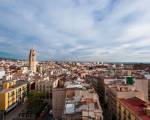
14,113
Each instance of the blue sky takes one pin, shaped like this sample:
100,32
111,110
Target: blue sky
87,30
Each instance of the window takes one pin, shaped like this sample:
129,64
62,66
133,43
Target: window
129,116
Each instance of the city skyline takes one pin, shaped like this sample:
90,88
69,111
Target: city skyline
86,30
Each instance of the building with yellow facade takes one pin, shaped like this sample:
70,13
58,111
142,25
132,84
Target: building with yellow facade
12,93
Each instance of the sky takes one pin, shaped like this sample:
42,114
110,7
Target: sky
83,30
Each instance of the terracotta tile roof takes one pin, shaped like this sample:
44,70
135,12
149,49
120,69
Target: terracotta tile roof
136,105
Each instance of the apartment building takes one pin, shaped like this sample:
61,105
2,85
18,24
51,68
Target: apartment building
132,109
76,100
2,73
82,105
115,91
44,85
142,85
58,100
81,102
11,94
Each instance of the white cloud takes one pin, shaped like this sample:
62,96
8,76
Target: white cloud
77,29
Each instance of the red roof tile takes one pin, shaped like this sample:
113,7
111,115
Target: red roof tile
136,105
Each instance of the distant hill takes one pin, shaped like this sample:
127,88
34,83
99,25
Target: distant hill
12,59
